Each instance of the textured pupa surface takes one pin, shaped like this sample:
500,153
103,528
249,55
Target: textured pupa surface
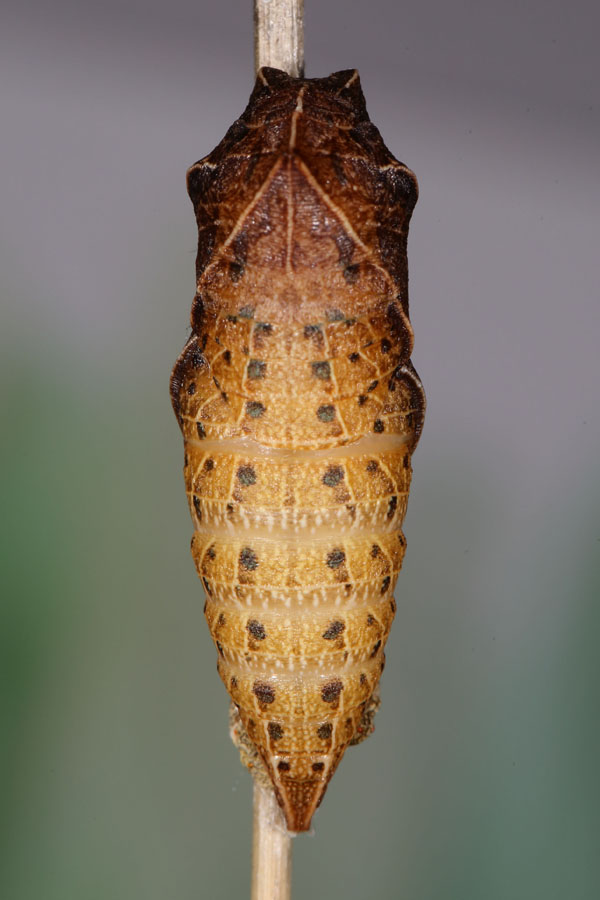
300,409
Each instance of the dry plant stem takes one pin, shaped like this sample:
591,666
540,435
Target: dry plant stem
272,851
279,35
278,42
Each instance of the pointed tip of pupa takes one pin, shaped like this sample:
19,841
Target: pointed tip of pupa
299,800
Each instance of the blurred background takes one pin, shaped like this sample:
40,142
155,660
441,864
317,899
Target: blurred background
118,776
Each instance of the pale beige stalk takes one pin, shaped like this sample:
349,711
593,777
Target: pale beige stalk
272,851
279,35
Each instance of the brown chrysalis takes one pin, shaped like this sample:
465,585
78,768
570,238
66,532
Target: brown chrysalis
300,410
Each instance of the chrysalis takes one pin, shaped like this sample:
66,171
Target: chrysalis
300,409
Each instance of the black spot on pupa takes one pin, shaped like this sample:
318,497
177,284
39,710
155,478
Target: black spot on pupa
236,270
371,620
334,315
406,462
246,475
375,649
256,629
211,552
334,630
198,508
326,413
198,360
331,691
351,273
233,682
224,397
248,559
254,409
209,464
197,312
283,766
275,731
263,328
227,357
246,312
333,476
257,368
392,506
230,509
354,357
311,330
338,169
363,678
321,370
372,386
220,649
264,692
200,430
335,558
385,345
385,584
318,766
207,586
372,465
375,551
378,426
362,399
191,388
221,620
218,386
324,731
393,606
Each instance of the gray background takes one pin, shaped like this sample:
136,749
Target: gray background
481,780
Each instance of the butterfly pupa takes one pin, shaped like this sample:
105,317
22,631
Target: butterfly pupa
300,410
